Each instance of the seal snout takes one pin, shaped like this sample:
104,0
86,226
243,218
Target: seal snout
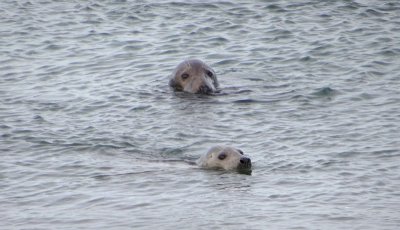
245,162
205,89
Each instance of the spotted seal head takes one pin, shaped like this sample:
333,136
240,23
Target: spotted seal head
226,158
194,76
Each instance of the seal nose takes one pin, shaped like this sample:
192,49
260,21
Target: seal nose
205,89
245,161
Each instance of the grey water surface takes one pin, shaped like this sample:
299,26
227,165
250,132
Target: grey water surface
92,137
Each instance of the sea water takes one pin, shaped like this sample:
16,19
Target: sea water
92,137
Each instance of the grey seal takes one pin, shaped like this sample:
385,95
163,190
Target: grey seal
194,76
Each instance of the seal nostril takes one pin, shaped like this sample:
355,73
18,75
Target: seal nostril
205,89
245,160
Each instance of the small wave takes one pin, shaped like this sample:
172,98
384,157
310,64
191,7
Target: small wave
140,108
306,59
251,101
390,53
371,12
275,8
171,152
38,118
227,62
325,92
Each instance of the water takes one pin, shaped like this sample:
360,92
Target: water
92,137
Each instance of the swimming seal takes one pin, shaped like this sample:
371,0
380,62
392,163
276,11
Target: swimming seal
194,76
226,158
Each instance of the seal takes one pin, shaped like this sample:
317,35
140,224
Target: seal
194,76
226,158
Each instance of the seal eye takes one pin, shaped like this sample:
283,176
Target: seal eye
185,76
240,151
209,73
222,156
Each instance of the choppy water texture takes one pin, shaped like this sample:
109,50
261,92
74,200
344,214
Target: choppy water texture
92,137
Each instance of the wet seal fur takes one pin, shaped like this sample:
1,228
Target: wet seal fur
225,158
194,76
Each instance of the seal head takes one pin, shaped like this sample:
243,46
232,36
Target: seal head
194,76
226,158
